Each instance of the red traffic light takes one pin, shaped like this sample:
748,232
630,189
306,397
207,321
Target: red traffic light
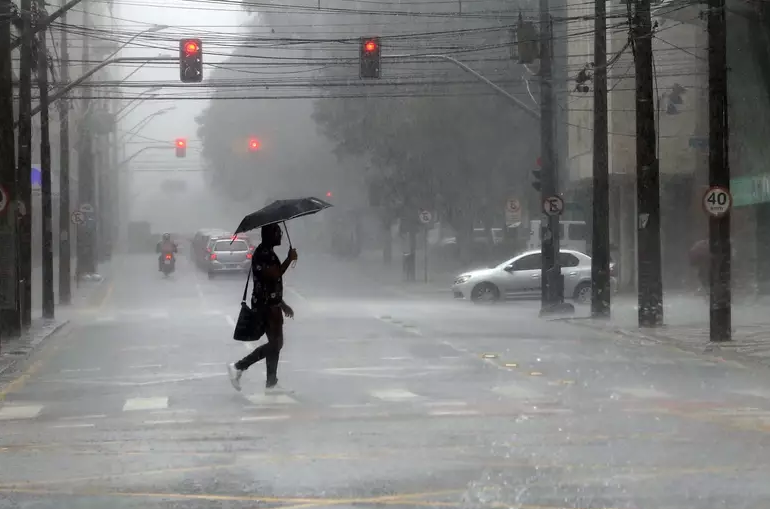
328,194
370,46
254,144
191,47
181,142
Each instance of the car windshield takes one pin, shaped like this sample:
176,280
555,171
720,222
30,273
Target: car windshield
224,245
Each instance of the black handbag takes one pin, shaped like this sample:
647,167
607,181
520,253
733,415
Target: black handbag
252,322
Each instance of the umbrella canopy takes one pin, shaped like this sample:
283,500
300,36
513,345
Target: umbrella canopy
281,211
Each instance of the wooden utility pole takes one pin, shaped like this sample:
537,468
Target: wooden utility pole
10,320
600,237
65,245
719,174
647,174
45,180
24,175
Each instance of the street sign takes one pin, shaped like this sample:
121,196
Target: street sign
717,201
78,217
4,199
512,205
425,216
87,208
512,213
553,205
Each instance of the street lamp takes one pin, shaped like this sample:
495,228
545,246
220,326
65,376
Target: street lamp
150,30
132,101
142,123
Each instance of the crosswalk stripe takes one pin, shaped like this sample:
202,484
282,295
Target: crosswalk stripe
13,412
271,399
145,404
394,395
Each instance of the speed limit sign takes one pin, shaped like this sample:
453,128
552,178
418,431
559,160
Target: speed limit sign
717,201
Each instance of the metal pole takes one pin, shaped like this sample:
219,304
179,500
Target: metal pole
647,175
719,175
23,177
425,255
550,274
44,24
600,241
65,246
10,320
45,181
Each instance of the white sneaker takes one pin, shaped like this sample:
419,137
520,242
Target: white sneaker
277,389
235,376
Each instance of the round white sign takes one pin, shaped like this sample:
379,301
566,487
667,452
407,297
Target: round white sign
4,199
78,217
553,205
717,201
512,205
425,216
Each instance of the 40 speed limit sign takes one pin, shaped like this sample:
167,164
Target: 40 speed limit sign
717,201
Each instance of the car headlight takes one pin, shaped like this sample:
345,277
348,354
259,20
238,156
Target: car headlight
462,279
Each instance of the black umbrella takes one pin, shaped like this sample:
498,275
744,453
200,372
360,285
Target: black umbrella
281,211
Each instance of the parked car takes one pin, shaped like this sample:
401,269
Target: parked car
519,277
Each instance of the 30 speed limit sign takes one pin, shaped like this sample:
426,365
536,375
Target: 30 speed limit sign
717,201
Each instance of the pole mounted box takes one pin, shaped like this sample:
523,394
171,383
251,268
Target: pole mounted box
191,60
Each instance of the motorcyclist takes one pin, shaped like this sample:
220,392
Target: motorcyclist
164,247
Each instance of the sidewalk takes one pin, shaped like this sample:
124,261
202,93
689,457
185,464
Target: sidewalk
439,282
686,326
13,350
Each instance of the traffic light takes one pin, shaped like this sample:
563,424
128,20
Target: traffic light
181,147
527,41
328,194
254,145
369,57
190,60
536,184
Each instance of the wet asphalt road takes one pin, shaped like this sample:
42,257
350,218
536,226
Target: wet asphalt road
399,401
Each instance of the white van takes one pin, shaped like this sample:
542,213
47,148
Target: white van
572,235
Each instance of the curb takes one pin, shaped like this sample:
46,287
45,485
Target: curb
710,349
29,348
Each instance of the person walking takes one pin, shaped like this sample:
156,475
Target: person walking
267,298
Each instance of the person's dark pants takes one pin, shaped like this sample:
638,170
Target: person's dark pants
271,350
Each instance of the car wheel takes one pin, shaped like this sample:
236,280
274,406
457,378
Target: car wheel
583,293
485,292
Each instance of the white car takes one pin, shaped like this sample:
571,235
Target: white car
519,277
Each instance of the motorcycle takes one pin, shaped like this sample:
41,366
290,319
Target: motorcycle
168,264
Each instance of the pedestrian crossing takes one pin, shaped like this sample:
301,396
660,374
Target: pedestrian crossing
268,406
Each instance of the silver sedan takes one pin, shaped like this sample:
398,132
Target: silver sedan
520,276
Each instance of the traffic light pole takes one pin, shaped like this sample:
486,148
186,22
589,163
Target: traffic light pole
552,292
65,245
45,182
86,245
23,177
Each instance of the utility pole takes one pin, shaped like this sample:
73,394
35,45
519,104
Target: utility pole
719,174
552,292
65,249
647,175
24,175
45,180
10,320
86,263
600,236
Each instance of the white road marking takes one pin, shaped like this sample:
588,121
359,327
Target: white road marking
75,425
296,294
351,405
81,370
145,404
8,413
159,315
642,392
255,418
220,364
162,346
83,417
174,411
395,395
145,366
230,320
271,399
442,413
170,421
446,403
